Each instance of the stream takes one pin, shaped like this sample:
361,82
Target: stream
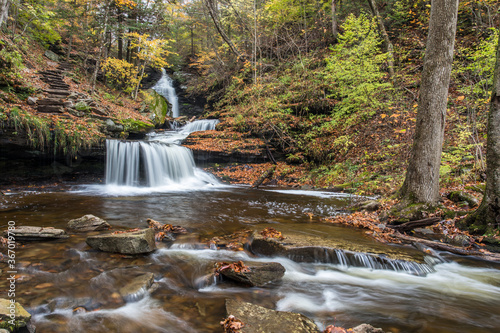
69,287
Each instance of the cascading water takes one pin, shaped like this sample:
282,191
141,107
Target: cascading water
166,88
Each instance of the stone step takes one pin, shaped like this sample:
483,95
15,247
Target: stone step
50,108
51,101
50,72
58,87
58,92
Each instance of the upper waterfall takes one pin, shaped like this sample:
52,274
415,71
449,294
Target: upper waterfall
166,88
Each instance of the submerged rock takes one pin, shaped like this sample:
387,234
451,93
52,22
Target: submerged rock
258,274
12,315
137,242
137,287
30,233
366,328
88,223
258,319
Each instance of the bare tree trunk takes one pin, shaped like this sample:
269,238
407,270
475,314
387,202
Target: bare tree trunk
101,49
383,32
4,11
335,28
422,177
487,216
215,18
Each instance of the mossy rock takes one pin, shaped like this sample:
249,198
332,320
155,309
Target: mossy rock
136,126
460,196
479,188
403,213
12,315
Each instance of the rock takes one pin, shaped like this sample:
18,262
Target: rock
258,319
460,196
137,242
370,206
51,55
50,108
12,315
137,287
112,127
88,223
366,328
32,100
27,233
259,275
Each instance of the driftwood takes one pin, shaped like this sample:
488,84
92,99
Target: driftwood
265,175
447,247
408,226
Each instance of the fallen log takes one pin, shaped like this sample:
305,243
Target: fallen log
408,226
265,175
449,248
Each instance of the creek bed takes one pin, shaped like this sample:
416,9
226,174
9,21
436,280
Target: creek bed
69,287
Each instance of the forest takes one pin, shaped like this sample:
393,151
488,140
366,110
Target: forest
395,102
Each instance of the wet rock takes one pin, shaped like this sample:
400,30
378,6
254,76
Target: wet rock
258,319
28,233
137,287
259,274
51,55
460,196
366,328
12,315
136,242
88,223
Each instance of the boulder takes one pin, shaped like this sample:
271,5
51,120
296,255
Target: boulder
12,315
258,319
51,55
28,233
369,206
88,223
32,100
137,242
112,127
259,274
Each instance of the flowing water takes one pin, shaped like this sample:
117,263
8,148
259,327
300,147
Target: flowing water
166,88
68,287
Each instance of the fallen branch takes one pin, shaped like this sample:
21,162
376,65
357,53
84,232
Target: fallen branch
446,247
408,226
267,174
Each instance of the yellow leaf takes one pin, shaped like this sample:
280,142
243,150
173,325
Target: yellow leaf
415,105
383,115
395,115
460,98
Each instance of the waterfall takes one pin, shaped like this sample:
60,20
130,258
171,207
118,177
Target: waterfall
200,125
154,164
165,88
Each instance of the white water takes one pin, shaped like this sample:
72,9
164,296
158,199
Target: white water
157,165
165,88
180,133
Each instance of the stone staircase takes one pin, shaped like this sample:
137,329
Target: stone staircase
58,91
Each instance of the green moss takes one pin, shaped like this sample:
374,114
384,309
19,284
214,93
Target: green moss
132,125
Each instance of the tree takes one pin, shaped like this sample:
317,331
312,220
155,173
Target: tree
487,216
422,176
4,11
383,32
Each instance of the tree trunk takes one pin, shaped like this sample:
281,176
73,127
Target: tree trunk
4,11
487,216
215,18
383,32
335,30
101,48
422,177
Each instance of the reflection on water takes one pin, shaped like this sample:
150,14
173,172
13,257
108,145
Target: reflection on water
68,287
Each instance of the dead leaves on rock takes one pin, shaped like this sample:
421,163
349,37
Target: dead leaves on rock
335,329
124,231
232,324
162,231
271,233
235,241
237,267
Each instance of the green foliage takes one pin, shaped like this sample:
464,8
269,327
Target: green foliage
354,70
11,63
41,22
121,74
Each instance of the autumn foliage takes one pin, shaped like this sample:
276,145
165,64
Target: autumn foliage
270,232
